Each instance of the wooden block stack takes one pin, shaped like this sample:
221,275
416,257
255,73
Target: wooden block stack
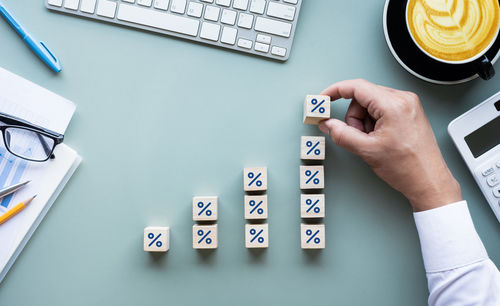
205,211
312,175
255,206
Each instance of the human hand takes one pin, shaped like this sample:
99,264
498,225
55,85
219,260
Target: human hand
389,130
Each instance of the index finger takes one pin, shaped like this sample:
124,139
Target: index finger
367,94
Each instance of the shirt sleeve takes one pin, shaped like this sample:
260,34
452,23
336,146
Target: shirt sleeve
459,271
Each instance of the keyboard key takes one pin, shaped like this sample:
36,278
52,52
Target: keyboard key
195,9
106,8
229,35
281,11
245,21
278,51
496,192
145,2
88,6
498,164
71,4
178,6
161,4
274,27
261,47
225,3
210,31
228,17
245,43
158,19
233,24
258,6
212,13
488,171
264,39
56,2
493,180
240,4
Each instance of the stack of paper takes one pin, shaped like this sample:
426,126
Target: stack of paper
37,105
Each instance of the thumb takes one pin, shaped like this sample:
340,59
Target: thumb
346,136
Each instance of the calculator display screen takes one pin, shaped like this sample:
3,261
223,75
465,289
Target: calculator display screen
485,138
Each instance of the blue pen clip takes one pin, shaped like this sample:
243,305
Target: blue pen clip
44,53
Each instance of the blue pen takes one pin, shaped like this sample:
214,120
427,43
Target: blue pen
38,47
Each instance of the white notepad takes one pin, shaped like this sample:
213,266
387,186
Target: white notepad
35,104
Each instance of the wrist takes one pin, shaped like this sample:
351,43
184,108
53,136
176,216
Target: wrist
437,195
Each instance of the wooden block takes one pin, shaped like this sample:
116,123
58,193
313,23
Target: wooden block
205,208
312,148
255,179
312,206
205,236
316,109
255,207
156,239
256,236
312,236
312,177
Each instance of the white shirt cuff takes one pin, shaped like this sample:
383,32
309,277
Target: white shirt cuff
448,238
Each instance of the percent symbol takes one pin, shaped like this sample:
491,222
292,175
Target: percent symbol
312,177
312,148
312,236
203,236
254,179
313,206
256,235
317,106
204,209
256,206
158,243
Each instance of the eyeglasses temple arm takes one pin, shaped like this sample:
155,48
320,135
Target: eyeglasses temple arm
45,146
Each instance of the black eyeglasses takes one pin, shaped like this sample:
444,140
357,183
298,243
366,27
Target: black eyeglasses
28,141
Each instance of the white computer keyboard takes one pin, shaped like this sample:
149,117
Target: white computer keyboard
260,27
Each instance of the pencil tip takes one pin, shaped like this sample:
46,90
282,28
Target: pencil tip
30,200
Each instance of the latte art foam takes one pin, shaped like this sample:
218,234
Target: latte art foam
453,30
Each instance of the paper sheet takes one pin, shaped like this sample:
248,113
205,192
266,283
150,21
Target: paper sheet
35,104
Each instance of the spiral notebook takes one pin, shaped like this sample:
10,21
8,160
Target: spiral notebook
35,104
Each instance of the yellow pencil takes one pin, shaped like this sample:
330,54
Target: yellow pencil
15,210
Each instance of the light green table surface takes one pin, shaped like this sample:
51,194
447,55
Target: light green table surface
160,120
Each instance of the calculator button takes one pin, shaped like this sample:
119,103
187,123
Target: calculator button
496,192
493,180
498,164
488,171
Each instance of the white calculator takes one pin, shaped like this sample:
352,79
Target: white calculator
477,136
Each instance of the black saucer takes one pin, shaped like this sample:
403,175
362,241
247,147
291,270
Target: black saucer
414,60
